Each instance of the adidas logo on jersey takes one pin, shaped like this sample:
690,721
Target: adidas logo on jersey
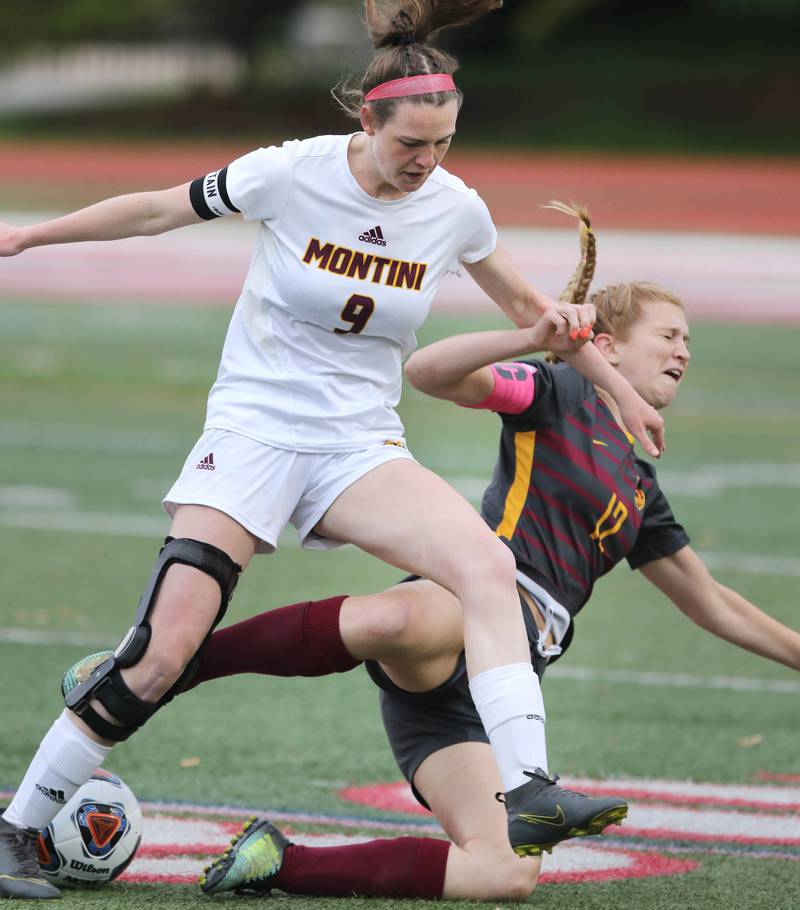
373,235
207,464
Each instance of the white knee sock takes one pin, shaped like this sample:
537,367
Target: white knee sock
510,704
64,761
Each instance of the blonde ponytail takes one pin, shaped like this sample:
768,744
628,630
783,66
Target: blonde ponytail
575,292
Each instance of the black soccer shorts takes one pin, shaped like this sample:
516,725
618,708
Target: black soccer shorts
420,723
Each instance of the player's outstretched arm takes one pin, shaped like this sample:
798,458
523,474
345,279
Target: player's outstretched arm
642,420
134,215
458,368
502,281
498,277
684,578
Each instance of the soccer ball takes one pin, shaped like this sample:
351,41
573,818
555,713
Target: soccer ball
95,835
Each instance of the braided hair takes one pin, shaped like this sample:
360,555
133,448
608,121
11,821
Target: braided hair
575,292
618,306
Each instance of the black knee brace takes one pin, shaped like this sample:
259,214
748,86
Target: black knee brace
106,683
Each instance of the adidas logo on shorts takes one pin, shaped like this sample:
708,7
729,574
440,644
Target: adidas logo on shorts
207,464
373,235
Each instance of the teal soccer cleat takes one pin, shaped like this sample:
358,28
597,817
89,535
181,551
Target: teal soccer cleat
79,672
250,864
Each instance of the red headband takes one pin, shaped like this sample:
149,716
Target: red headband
412,85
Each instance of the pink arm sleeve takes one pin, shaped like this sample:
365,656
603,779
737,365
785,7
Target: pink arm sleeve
514,389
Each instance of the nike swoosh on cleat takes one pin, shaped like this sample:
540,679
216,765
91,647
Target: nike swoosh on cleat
557,819
18,878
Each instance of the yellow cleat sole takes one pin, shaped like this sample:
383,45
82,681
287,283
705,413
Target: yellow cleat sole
597,825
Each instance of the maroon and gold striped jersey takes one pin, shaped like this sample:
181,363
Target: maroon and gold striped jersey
569,495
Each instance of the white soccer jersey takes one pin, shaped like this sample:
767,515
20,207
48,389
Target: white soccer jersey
338,284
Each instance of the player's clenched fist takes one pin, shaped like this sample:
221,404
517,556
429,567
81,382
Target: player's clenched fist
563,328
11,240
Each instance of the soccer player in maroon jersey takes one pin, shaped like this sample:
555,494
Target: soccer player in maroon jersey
571,499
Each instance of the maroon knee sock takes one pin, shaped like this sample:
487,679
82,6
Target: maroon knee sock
402,867
302,639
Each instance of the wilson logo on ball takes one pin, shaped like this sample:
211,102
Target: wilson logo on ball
94,837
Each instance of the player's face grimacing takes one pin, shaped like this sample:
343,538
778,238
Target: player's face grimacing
655,356
408,147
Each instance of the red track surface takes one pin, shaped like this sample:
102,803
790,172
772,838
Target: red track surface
740,276
648,193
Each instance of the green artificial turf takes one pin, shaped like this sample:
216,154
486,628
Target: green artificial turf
98,410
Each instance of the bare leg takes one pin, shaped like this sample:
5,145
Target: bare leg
414,629
187,604
414,622
458,784
409,517
185,608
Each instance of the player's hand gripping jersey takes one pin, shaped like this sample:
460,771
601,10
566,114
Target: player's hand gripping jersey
569,495
338,284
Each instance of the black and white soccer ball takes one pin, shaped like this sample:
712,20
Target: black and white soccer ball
94,837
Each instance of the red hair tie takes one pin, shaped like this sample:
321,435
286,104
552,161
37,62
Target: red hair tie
412,85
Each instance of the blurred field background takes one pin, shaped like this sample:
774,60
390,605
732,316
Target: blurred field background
101,404
674,122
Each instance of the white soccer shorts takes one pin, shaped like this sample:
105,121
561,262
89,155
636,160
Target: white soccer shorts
265,488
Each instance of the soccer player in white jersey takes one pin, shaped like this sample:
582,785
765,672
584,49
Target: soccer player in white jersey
356,232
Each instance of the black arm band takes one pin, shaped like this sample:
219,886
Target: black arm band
209,195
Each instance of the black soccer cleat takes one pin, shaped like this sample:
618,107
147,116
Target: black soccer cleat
541,814
20,875
250,864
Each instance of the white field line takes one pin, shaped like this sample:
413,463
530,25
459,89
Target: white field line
86,522
715,479
124,525
674,680
37,637
685,796
709,821
748,796
570,858
720,275
709,824
15,635
155,808
701,481
753,564
63,438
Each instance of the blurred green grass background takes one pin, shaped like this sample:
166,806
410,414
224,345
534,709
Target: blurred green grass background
99,408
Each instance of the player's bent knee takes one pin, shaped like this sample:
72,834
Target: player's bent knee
504,876
514,879
393,620
503,564
524,878
492,565
106,684
158,671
